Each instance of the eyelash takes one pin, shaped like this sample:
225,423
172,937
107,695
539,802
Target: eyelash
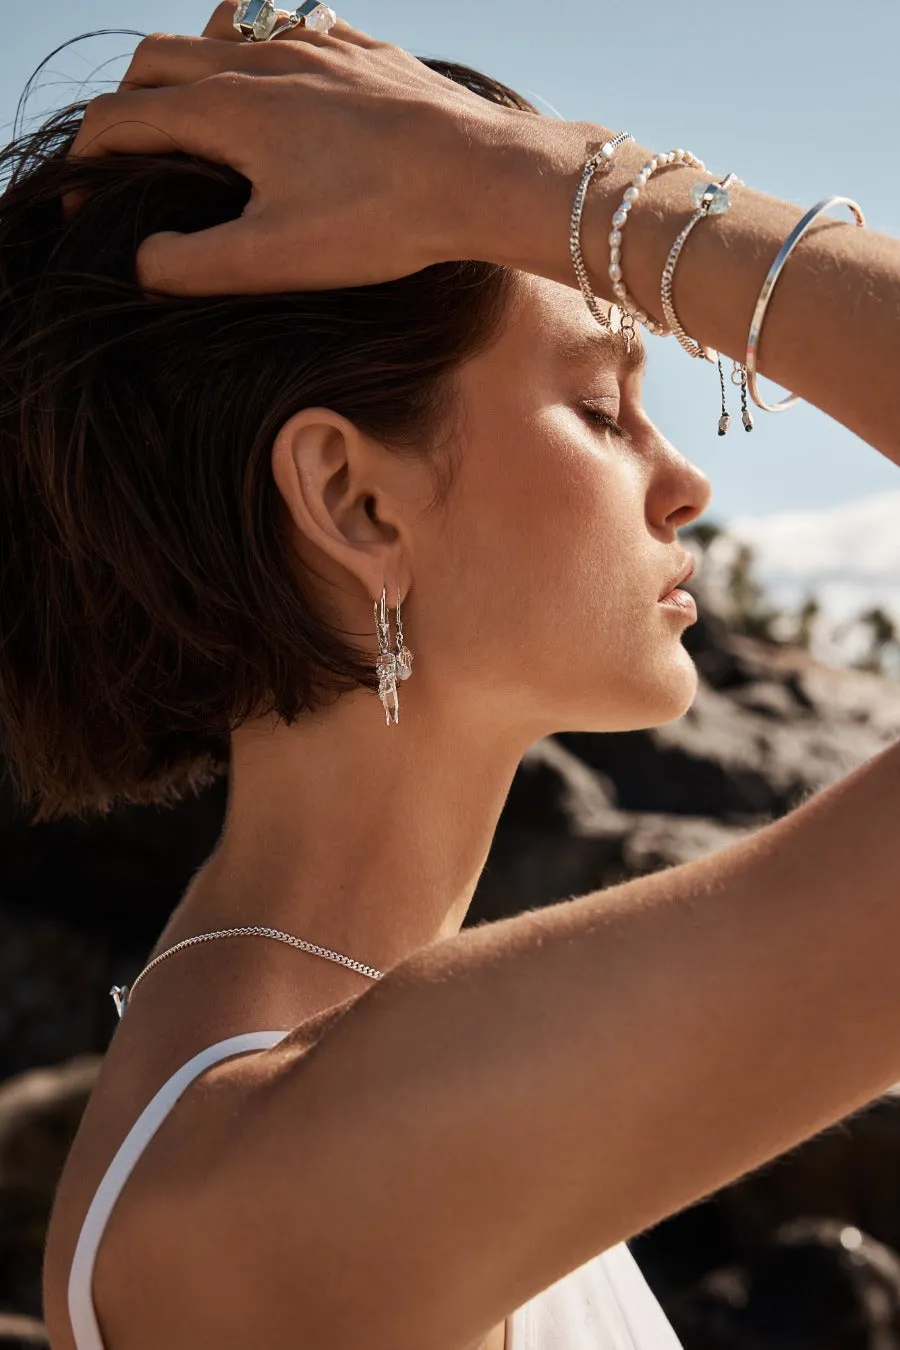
604,420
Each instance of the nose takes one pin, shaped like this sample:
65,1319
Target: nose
679,491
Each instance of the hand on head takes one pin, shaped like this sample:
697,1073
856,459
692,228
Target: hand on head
348,142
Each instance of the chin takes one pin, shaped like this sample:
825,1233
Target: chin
663,698
672,694
634,695
648,698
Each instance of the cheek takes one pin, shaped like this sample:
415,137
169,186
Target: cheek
550,528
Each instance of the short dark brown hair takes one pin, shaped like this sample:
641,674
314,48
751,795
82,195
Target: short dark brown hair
148,603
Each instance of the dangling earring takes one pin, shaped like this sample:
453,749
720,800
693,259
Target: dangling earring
386,665
404,655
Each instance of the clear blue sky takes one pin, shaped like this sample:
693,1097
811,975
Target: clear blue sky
800,100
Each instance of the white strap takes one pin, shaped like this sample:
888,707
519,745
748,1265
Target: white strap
81,1302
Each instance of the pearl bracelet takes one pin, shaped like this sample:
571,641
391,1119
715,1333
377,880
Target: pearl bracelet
619,221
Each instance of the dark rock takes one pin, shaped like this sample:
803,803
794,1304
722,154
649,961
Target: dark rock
39,1116
654,842
561,835
83,902
754,752
22,1333
52,978
850,1172
816,1284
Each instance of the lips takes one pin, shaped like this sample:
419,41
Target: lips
686,572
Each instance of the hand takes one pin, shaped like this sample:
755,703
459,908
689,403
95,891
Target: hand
359,155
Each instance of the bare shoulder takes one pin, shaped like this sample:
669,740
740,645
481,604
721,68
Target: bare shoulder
148,1237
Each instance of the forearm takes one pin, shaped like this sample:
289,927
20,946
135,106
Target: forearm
832,328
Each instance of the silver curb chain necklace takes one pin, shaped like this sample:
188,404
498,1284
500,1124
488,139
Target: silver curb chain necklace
121,994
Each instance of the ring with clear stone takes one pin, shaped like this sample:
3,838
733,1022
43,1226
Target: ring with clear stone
261,20
619,221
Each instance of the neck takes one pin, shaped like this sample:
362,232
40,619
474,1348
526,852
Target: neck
360,837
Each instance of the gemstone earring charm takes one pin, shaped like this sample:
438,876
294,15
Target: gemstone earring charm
404,655
386,665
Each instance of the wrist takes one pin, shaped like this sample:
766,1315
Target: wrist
523,172
509,188
521,178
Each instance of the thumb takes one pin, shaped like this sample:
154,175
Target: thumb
224,260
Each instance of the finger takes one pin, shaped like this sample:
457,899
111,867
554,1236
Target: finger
161,121
161,60
346,33
227,259
221,26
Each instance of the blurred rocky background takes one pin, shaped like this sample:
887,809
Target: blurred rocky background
798,1256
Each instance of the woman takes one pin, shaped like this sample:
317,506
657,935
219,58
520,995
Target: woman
446,1142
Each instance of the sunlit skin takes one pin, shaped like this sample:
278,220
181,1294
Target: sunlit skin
562,1045
530,602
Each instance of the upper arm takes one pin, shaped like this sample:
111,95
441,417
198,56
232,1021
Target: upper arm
511,1101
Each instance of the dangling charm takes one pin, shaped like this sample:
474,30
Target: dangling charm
404,655
739,377
724,419
626,326
119,994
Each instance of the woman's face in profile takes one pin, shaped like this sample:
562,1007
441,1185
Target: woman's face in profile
560,533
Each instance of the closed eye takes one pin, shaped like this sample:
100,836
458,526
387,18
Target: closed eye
603,419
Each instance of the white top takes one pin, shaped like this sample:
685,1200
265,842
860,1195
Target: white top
605,1304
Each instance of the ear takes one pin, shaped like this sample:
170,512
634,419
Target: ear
344,493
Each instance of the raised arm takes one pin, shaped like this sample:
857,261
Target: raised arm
407,168
511,1101
832,328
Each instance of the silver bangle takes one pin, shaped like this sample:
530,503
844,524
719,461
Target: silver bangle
602,157
769,285
619,221
710,199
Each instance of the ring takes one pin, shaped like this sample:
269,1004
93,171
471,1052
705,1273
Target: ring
260,21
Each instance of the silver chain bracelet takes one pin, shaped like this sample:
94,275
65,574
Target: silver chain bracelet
601,158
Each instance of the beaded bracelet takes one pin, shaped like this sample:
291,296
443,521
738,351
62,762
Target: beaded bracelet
619,221
602,157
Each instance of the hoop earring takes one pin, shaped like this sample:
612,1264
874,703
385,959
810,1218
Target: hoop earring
386,665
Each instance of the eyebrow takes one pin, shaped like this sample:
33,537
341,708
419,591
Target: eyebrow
606,346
